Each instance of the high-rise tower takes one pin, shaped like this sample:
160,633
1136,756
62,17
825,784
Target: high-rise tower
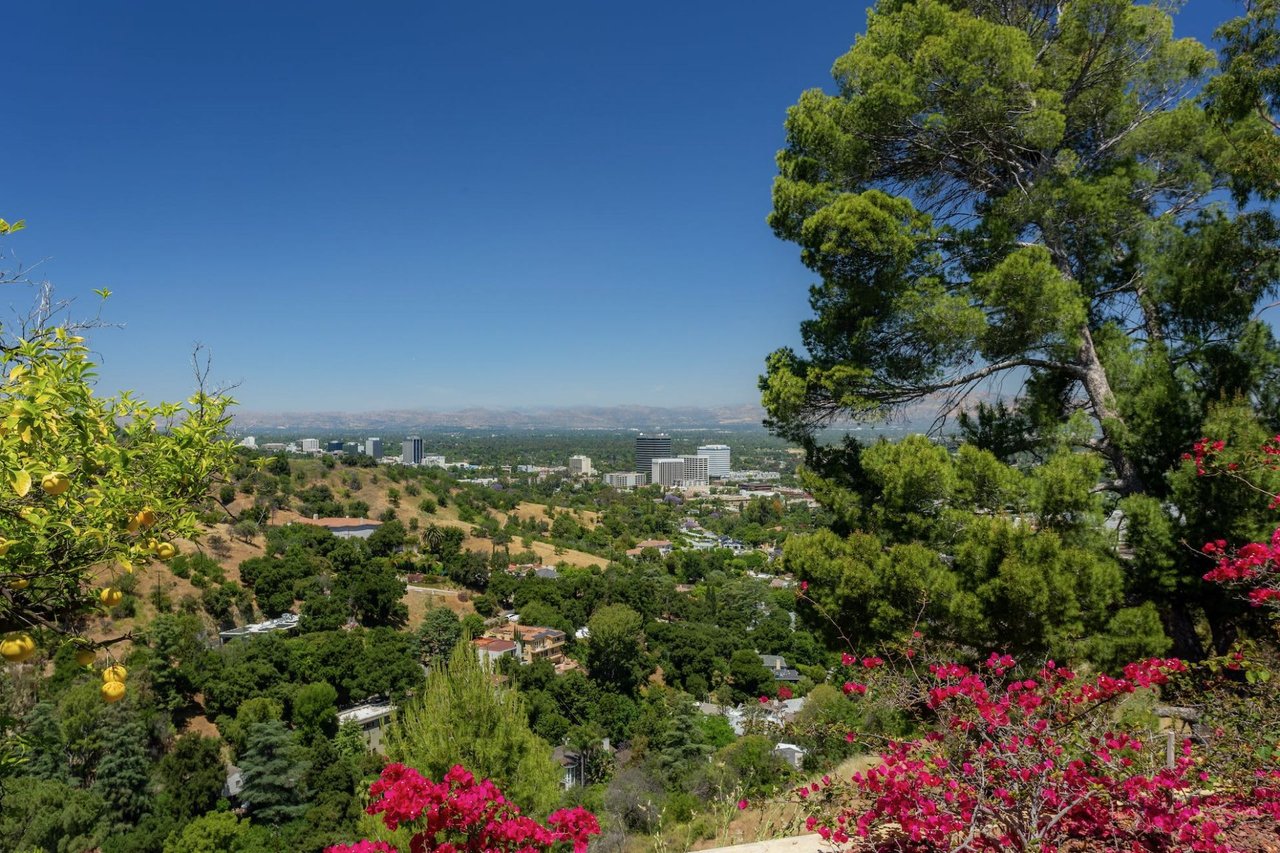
649,448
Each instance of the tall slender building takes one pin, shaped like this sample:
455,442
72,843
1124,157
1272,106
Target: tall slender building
649,448
373,447
411,451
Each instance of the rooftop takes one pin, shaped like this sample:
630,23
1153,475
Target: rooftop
493,645
342,522
368,711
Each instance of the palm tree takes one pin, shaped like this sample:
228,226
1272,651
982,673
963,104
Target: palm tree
433,536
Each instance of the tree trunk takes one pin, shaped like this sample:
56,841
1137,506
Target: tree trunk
1098,388
1182,630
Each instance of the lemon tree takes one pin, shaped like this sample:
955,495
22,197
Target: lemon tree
91,487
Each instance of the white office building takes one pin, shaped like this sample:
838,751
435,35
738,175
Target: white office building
433,459
373,447
580,466
625,480
310,445
717,455
668,471
695,471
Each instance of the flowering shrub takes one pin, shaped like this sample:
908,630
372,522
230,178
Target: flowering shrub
462,815
1030,763
1254,567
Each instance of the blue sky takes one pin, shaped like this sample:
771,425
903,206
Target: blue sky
420,205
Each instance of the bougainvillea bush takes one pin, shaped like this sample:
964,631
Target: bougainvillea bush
1252,567
461,814
1033,762
1046,759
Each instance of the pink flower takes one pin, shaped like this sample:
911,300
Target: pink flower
462,815
742,804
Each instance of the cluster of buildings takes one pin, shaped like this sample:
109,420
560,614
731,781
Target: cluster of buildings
657,464
411,451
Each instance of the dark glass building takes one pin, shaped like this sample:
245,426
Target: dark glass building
649,448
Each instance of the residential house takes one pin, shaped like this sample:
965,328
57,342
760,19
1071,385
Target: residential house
491,650
372,717
346,528
663,547
790,753
533,642
283,622
777,664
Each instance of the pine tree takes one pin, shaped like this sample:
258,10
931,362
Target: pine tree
46,758
124,773
271,769
463,717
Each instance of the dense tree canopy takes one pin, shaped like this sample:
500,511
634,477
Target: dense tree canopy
1033,196
1023,186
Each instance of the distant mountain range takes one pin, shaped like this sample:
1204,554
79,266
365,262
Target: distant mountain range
566,417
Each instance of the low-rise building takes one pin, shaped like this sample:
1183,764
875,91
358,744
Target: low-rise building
790,753
663,547
533,642
490,650
777,664
372,717
580,466
346,528
283,622
536,569
626,480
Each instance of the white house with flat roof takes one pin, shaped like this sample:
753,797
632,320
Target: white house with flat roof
372,717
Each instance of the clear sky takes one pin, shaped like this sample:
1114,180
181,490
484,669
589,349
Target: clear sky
420,205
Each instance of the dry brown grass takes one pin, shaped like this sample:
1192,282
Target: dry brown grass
780,817
375,495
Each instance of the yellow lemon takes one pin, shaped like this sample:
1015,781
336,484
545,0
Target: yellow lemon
115,673
113,691
166,551
111,596
16,648
85,657
5,545
55,483
146,518
19,583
